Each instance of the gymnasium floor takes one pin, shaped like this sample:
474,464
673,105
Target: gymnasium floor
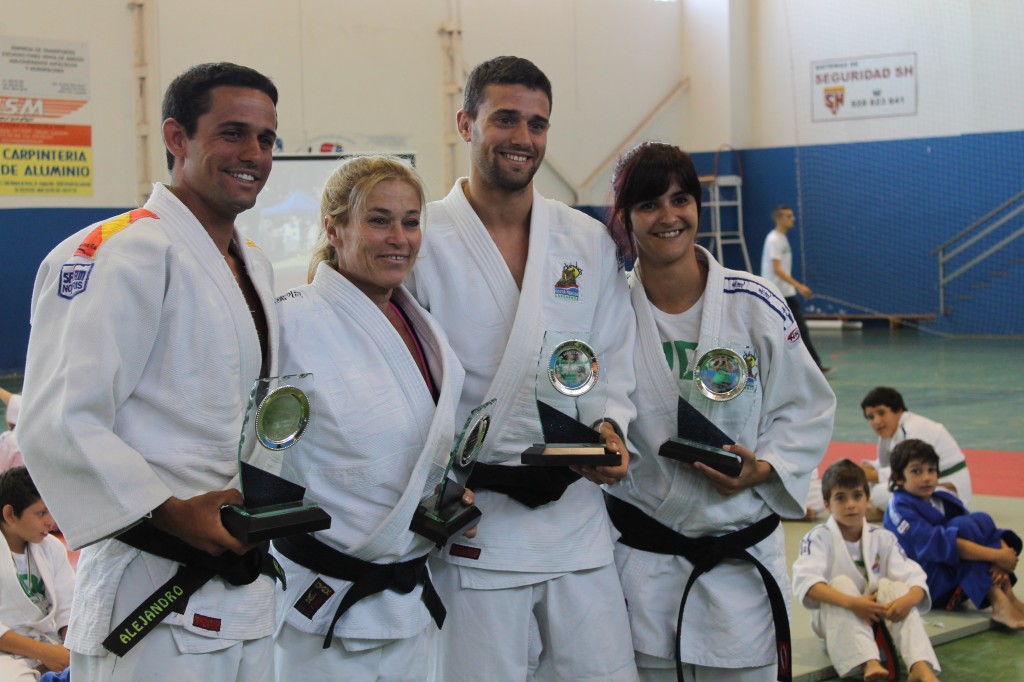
974,388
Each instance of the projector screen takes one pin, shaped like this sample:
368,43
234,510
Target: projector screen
285,221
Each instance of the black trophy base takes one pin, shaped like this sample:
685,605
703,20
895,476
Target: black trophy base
259,524
683,450
454,518
567,454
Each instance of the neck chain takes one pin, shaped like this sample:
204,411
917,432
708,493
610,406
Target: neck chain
26,585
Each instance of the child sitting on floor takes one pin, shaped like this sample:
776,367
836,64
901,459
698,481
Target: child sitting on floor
857,582
963,553
889,417
36,583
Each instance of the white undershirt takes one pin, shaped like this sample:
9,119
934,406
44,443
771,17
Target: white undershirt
679,333
31,582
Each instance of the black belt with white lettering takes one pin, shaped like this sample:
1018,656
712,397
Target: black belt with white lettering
529,485
197,568
367,578
642,532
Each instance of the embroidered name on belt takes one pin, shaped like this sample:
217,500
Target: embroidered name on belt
171,597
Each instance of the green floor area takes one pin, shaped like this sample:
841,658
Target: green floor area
993,656
970,385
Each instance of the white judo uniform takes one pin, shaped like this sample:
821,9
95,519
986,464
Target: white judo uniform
379,437
497,332
825,558
952,462
142,355
19,614
785,416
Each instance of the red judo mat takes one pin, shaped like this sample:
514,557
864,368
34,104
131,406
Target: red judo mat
993,472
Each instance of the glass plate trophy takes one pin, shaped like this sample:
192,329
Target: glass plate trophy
278,423
441,514
719,375
568,368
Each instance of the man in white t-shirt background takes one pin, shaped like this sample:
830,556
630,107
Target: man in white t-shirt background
777,268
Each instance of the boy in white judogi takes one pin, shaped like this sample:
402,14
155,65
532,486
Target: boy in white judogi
36,583
854,577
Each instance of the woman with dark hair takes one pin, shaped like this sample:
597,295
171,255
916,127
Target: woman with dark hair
711,540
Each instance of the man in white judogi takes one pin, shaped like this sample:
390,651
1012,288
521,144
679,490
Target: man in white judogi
535,595
148,332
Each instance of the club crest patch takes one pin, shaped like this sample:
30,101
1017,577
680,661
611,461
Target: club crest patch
567,287
74,277
750,357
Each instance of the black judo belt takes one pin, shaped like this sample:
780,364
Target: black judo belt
197,569
642,532
529,485
367,578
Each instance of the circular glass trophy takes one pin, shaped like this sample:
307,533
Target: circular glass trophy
570,399
441,515
472,442
573,368
282,418
279,413
720,374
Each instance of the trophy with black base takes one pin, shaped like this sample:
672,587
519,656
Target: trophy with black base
568,369
278,422
441,515
719,375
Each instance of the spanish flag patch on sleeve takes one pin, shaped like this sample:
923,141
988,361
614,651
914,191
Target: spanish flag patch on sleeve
91,244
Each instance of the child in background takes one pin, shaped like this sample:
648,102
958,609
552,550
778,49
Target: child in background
963,553
36,584
854,576
10,453
889,417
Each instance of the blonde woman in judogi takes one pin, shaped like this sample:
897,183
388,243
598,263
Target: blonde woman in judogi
148,332
360,604
535,594
854,576
683,522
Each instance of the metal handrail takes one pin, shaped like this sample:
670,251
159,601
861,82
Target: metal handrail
944,256
979,221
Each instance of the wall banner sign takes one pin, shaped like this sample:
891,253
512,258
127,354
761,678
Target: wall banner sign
45,139
864,87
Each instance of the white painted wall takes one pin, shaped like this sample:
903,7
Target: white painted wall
368,73
968,62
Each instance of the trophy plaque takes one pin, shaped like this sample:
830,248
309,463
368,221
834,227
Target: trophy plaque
278,423
699,440
568,369
689,451
441,515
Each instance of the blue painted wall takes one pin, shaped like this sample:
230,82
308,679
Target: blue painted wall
869,216
28,235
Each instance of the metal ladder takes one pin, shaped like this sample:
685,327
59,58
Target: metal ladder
724,192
